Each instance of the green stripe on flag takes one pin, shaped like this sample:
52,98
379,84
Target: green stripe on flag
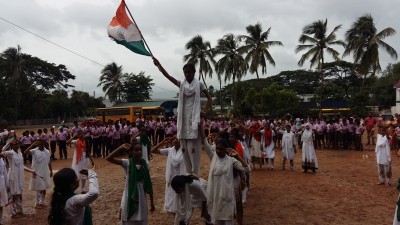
135,46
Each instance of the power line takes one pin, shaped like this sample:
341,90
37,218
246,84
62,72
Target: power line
51,42
66,49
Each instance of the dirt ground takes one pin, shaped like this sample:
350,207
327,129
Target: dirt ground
344,190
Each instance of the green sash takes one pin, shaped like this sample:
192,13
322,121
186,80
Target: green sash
134,176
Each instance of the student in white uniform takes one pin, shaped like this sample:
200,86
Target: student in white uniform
288,147
68,208
137,184
42,167
190,193
3,188
382,151
15,174
189,113
174,167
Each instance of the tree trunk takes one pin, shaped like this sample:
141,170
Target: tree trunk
220,98
234,103
321,71
257,75
204,81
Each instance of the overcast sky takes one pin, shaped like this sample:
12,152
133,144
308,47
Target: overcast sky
167,25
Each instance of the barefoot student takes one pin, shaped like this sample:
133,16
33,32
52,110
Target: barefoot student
308,156
288,147
15,174
174,167
40,182
382,151
137,184
189,111
3,187
79,161
68,208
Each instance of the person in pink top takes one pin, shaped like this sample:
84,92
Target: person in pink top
62,137
53,143
370,122
26,140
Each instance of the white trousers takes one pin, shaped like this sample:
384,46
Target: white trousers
191,155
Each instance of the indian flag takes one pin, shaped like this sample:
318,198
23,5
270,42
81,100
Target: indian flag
123,31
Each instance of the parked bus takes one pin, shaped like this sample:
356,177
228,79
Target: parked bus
130,113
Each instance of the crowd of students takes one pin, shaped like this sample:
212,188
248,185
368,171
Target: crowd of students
234,147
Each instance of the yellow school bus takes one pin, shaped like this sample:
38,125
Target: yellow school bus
130,113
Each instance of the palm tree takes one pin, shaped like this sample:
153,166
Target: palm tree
232,63
200,53
318,42
112,81
256,48
363,41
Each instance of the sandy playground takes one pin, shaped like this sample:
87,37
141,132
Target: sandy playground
343,191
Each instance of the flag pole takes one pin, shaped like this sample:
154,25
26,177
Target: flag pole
140,32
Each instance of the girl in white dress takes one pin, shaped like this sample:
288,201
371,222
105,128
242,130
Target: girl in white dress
288,147
79,161
383,159
267,142
3,188
15,175
42,167
174,167
308,156
137,184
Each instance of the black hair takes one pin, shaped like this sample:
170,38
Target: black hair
63,180
181,180
224,135
223,142
189,66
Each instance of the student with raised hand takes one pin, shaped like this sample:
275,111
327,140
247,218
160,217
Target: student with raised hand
137,184
15,174
80,160
189,114
220,188
68,208
40,182
174,167
3,187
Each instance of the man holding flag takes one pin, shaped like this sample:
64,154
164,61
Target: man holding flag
189,113
125,32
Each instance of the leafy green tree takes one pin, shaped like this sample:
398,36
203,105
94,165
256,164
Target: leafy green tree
46,75
58,103
202,54
344,75
300,81
256,48
137,88
112,79
382,87
83,103
364,42
232,63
